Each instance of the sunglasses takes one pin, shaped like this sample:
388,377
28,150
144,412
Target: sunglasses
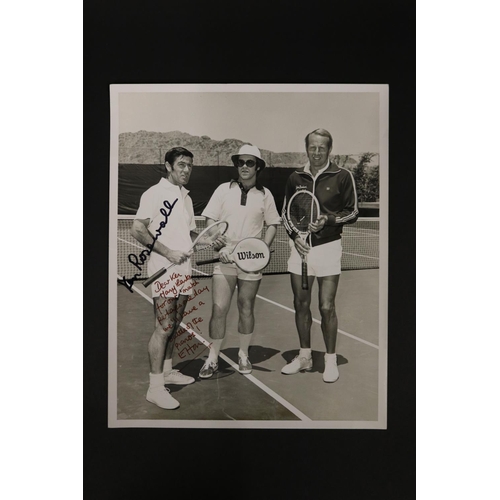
242,163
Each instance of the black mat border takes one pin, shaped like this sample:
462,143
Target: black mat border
325,42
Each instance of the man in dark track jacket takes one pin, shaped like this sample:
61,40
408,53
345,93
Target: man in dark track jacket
335,190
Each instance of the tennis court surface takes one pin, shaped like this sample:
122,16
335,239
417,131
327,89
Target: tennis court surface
265,396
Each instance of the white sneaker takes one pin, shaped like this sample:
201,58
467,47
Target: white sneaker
177,378
331,373
160,396
244,365
209,368
297,365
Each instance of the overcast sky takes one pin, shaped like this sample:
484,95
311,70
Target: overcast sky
277,121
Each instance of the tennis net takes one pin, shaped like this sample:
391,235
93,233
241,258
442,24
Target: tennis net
360,248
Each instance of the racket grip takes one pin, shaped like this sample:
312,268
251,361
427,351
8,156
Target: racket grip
155,276
305,283
209,261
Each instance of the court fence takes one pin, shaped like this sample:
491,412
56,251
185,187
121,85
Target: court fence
360,248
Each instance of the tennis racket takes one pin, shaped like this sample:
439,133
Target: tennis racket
249,254
205,239
302,209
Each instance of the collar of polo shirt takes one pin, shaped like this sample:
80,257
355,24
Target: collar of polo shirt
244,190
166,184
258,186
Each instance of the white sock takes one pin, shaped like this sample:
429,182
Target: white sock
245,339
305,353
213,353
156,380
167,366
331,356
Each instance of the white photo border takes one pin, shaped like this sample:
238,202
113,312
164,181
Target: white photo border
383,92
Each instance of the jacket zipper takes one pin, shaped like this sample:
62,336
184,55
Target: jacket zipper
314,193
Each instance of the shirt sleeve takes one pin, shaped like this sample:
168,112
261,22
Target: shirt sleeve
213,209
271,215
350,213
146,206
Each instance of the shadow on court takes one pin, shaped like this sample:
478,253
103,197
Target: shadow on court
256,353
318,359
192,368
229,395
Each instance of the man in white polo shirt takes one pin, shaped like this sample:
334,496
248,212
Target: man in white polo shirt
245,205
165,220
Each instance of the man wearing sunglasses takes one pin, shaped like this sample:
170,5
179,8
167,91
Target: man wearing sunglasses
245,204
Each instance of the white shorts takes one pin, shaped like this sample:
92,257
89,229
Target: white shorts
322,260
234,270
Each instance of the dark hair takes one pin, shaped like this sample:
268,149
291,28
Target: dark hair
322,132
172,154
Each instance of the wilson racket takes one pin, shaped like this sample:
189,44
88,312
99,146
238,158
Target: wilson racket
302,209
205,239
250,255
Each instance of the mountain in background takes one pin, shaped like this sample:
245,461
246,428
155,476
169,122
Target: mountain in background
149,147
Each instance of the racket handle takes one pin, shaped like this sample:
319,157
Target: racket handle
209,261
305,283
155,276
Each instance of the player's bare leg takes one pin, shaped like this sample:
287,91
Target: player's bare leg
222,292
165,319
166,315
328,286
303,322
180,306
247,292
170,375
302,305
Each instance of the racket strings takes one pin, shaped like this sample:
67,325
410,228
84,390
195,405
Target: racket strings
201,245
303,211
209,238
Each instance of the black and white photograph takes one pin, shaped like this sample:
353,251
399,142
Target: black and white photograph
248,256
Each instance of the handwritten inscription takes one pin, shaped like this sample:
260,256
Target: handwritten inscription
186,339
168,308
139,260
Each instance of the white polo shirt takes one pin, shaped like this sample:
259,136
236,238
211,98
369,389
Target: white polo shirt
245,215
178,216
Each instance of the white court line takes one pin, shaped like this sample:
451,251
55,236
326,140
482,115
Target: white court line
257,382
314,319
319,322
201,272
269,391
360,255
279,305
131,243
